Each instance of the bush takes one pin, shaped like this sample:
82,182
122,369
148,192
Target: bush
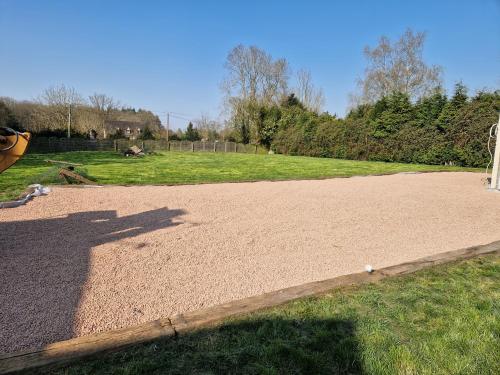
434,130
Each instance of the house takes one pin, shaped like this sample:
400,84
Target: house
128,129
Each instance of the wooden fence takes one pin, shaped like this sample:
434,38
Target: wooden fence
42,145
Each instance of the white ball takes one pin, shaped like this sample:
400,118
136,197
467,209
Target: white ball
368,268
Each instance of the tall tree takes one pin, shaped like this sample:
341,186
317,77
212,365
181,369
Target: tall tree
191,133
253,79
312,97
450,112
397,110
253,75
61,96
103,103
428,109
398,67
62,103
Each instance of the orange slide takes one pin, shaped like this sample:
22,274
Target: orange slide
13,145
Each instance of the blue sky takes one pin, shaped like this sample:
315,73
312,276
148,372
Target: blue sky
169,56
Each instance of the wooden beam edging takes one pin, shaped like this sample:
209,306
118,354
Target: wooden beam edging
67,351
190,321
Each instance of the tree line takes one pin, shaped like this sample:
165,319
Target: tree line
399,113
433,130
58,106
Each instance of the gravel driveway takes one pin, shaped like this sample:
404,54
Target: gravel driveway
80,261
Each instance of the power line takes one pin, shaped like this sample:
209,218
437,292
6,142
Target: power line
181,114
179,117
174,115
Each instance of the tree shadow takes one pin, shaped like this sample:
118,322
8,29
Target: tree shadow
274,345
44,265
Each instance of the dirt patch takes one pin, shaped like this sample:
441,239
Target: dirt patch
80,261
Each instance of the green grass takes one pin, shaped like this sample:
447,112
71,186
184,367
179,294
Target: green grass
193,168
443,320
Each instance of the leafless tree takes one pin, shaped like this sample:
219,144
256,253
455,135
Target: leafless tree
60,101
276,76
207,127
39,116
61,96
104,106
86,120
398,67
312,97
254,76
103,103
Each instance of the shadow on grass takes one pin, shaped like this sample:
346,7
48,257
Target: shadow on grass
44,265
254,346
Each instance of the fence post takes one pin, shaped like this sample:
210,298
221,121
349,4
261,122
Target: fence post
215,146
225,146
142,146
192,146
255,148
115,145
168,146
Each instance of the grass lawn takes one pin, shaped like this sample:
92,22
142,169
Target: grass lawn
192,168
443,320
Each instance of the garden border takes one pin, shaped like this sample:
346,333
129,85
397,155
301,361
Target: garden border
69,350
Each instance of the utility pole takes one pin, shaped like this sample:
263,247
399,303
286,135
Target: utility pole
168,124
69,120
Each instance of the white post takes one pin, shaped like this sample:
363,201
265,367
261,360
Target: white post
495,174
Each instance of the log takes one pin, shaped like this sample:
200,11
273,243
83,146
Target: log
69,350
65,173
62,162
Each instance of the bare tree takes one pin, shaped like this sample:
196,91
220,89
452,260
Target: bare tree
86,120
308,94
275,83
254,76
103,103
398,67
253,79
62,103
104,106
208,129
61,96
34,116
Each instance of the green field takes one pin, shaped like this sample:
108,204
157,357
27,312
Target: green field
192,168
443,320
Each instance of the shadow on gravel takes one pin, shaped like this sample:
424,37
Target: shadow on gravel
255,346
44,265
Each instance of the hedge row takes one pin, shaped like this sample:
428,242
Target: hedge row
434,130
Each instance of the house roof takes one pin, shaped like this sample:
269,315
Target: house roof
114,124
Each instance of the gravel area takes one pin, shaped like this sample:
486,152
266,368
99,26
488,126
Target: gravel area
80,261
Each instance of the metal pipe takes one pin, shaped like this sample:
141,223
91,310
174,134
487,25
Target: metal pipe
495,174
